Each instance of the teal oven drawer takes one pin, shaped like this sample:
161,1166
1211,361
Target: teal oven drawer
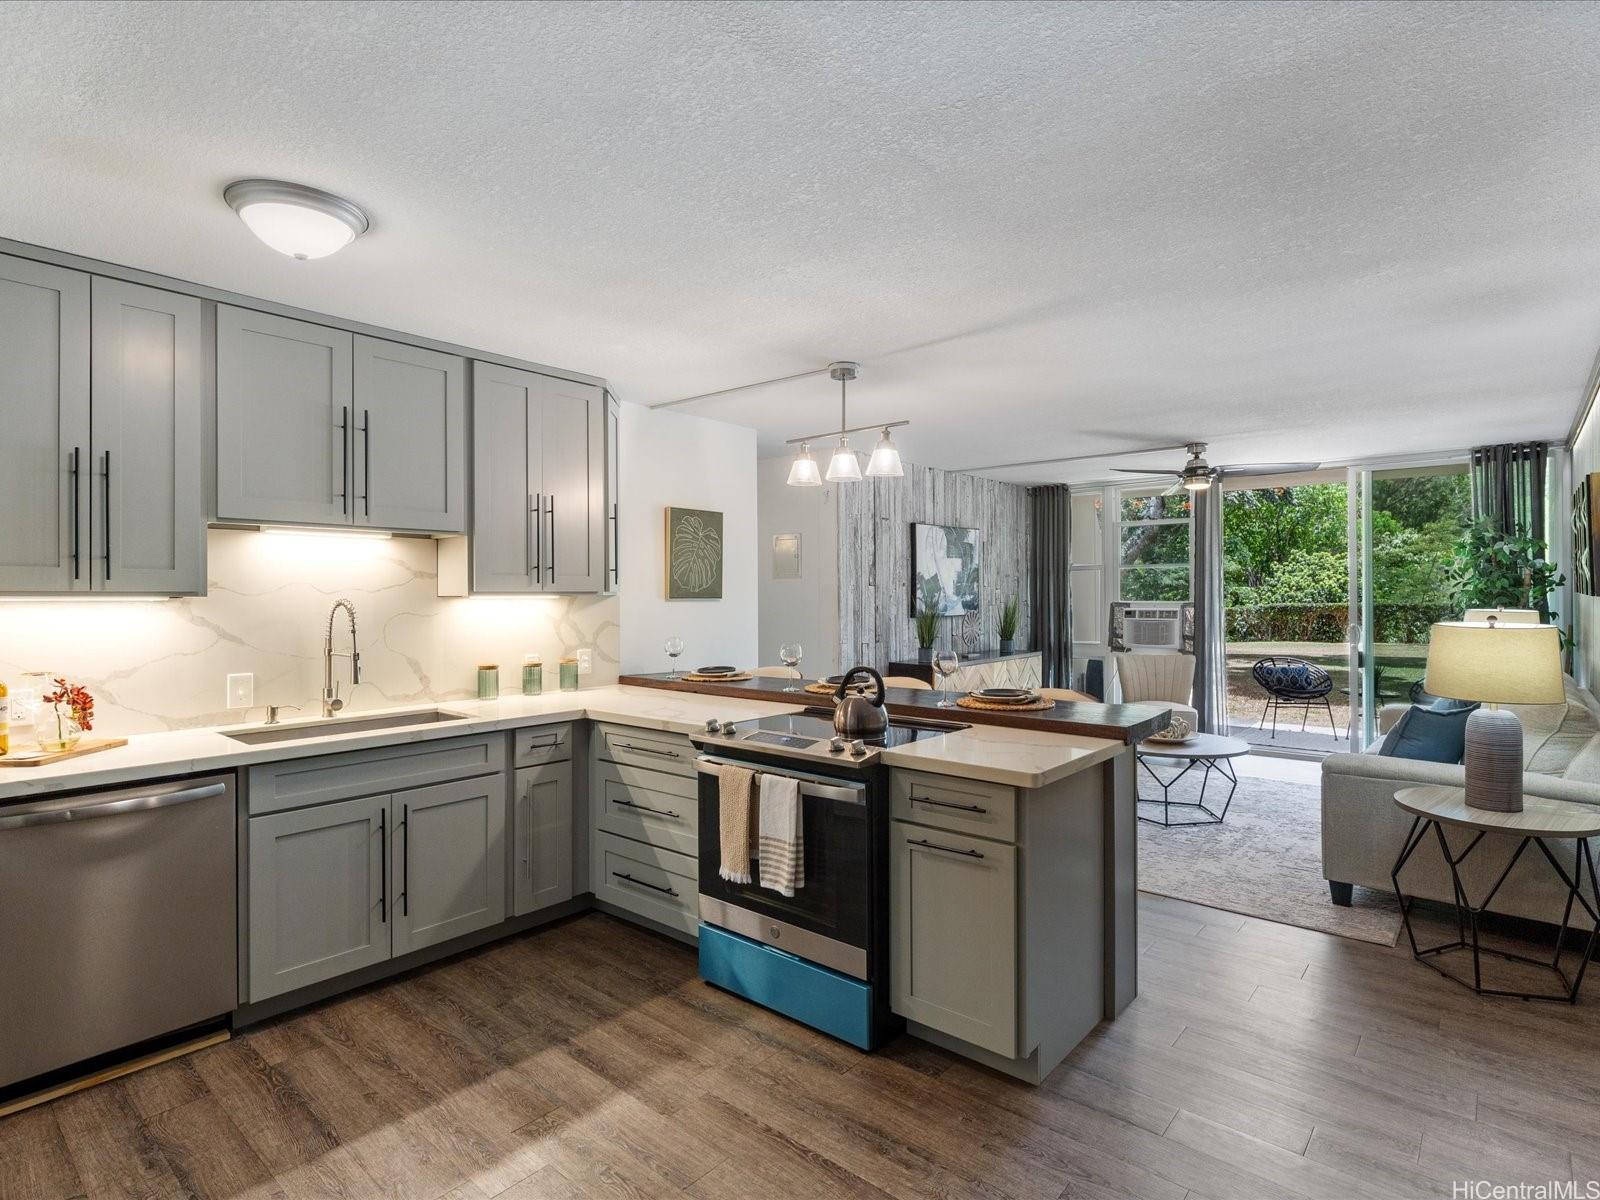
815,996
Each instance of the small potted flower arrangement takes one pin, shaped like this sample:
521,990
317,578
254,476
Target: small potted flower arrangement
65,714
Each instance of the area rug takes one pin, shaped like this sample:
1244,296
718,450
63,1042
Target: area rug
1264,861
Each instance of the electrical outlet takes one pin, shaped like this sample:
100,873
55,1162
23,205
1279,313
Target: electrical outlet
241,691
585,661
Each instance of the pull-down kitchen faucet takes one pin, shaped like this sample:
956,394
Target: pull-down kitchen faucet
331,703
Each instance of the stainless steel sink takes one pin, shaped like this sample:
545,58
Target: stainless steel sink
299,731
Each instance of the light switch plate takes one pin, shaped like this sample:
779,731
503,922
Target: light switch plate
585,661
241,691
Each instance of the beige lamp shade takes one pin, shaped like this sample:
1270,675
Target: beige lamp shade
1496,664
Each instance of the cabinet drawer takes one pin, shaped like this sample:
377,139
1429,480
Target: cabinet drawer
654,883
305,781
963,805
541,744
648,806
647,748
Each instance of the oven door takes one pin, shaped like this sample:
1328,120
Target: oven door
828,920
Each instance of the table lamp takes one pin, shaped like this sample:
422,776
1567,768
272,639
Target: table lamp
1495,663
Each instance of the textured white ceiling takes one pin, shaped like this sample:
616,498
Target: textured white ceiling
1296,231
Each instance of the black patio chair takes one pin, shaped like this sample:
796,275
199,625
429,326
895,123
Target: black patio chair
1293,683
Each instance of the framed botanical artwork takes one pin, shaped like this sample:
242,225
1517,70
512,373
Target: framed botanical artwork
694,554
944,570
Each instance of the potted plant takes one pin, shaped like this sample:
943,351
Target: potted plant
1491,569
63,717
1010,617
927,633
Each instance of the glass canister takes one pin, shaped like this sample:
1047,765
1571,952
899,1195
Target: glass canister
569,674
488,681
532,675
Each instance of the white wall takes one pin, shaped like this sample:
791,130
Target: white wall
686,462
804,609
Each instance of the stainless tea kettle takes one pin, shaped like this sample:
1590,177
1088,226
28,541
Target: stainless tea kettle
856,715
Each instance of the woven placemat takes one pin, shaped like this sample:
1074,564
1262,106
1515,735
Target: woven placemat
822,688
1040,705
691,677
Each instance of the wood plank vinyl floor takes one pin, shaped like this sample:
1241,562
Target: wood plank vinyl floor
587,1060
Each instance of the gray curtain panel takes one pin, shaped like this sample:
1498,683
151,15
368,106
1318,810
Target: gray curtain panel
1050,546
1508,487
1210,649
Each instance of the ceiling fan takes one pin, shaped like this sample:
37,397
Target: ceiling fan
1197,475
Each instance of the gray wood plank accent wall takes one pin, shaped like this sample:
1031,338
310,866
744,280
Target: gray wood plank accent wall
875,519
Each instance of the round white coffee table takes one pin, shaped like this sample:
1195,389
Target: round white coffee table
1434,808
1208,751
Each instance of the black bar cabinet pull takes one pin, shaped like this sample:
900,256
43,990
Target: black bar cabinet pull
366,463
972,808
536,534
946,849
405,861
660,812
344,460
383,849
108,516
652,886
616,546
77,536
552,537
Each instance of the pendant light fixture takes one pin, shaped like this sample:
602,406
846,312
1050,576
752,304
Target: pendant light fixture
844,466
302,222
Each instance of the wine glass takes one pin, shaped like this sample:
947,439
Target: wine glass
789,652
674,647
945,662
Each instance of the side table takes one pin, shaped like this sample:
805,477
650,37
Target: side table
1433,808
1208,751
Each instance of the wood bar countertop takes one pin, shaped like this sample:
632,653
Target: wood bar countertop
1130,723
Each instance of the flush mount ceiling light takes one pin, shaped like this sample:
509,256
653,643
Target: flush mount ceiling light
302,222
844,466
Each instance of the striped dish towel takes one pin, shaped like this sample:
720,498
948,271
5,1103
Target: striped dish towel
782,847
735,828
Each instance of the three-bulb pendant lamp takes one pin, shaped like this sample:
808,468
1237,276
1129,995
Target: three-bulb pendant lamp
844,466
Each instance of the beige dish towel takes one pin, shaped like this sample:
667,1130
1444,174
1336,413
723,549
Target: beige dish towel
736,828
782,846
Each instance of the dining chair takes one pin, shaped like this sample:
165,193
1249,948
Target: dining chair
1067,694
907,681
778,672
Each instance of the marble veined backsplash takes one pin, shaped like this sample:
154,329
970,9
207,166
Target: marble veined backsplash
155,665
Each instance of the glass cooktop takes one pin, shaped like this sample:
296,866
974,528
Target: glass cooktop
801,730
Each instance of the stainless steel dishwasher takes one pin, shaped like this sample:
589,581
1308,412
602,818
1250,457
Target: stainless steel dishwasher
117,921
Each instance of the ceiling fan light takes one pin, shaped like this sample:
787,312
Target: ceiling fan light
844,467
803,472
1197,482
302,222
885,460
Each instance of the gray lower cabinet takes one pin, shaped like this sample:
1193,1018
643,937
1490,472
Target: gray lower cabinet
449,861
542,837
101,450
953,934
318,903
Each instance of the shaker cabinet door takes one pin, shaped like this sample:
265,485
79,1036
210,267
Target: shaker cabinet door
285,434
953,935
318,894
506,500
449,860
148,510
541,858
409,442
44,433
572,450
613,576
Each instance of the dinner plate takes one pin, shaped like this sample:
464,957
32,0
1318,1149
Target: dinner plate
716,670
1006,695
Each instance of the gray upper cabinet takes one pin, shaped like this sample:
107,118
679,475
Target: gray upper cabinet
449,853
613,576
148,517
542,838
284,430
44,447
410,438
539,521
318,899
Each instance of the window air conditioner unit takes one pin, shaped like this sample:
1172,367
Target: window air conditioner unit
1153,627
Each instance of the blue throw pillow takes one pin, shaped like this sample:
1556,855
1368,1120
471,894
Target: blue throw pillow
1427,735
1446,707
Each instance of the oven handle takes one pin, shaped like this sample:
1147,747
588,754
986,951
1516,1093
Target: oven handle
820,787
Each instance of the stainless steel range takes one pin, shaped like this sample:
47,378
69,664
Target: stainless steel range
821,955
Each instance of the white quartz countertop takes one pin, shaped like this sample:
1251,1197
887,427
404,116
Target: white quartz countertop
183,752
1018,757
1025,758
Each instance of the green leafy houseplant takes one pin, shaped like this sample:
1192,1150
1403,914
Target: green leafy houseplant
1490,569
1010,618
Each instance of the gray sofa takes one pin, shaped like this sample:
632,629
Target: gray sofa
1363,830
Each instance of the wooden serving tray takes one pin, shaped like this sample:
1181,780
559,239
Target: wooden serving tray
40,758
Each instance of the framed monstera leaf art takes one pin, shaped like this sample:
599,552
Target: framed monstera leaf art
694,554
